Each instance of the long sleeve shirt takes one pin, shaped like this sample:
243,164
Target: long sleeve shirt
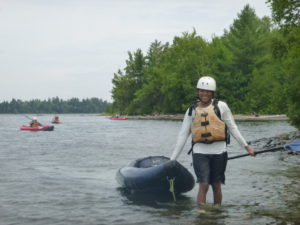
217,147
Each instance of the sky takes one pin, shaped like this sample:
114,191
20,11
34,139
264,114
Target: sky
72,48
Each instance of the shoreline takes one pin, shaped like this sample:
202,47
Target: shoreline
237,117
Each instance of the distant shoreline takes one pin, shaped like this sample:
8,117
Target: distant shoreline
238,117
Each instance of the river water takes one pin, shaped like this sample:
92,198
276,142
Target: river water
67,176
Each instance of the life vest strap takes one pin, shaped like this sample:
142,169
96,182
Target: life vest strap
207,142
192,107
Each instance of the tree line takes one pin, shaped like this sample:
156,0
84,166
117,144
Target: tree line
255,63
55,105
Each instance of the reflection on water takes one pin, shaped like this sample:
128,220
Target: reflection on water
67,176
182,209
153,200
287,207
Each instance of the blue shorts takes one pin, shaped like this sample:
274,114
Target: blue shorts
210,168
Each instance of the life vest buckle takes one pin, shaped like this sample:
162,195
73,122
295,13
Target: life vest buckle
205,123
205,135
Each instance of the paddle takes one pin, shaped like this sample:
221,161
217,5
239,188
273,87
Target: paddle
294,146
28,117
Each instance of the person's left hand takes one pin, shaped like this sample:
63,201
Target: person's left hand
250,150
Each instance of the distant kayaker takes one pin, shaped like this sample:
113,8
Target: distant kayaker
208,121
34,122
55,119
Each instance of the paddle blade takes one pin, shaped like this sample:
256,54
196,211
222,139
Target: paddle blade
295,146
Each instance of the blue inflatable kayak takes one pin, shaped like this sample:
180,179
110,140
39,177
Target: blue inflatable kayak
153,174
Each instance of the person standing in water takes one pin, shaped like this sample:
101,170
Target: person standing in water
209,122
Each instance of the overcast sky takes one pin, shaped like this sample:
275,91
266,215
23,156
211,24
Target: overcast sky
72,48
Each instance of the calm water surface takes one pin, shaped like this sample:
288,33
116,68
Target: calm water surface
67,176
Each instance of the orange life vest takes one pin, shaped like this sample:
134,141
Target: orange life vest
34,124
207,127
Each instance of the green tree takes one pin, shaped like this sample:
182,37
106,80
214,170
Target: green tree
286,48
149,97
286,13
184,62
74,105
126,85
252,62
246,42
220,59
122,93
266,87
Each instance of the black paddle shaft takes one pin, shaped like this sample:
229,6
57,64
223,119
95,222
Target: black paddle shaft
259,152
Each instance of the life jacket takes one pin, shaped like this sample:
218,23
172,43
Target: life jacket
34,124
207,126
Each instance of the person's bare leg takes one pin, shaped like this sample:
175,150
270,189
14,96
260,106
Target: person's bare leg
217,190
202,192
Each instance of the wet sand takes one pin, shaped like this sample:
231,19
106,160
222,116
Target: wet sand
238,117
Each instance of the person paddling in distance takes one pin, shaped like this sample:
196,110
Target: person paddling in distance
34,122
208,121
55,119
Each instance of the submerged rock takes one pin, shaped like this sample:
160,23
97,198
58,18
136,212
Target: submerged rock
281,140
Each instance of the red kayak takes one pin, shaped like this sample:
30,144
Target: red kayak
39,128
118,118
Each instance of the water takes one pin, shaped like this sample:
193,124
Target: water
67,176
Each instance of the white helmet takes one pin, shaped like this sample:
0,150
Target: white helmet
206,83
34,118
